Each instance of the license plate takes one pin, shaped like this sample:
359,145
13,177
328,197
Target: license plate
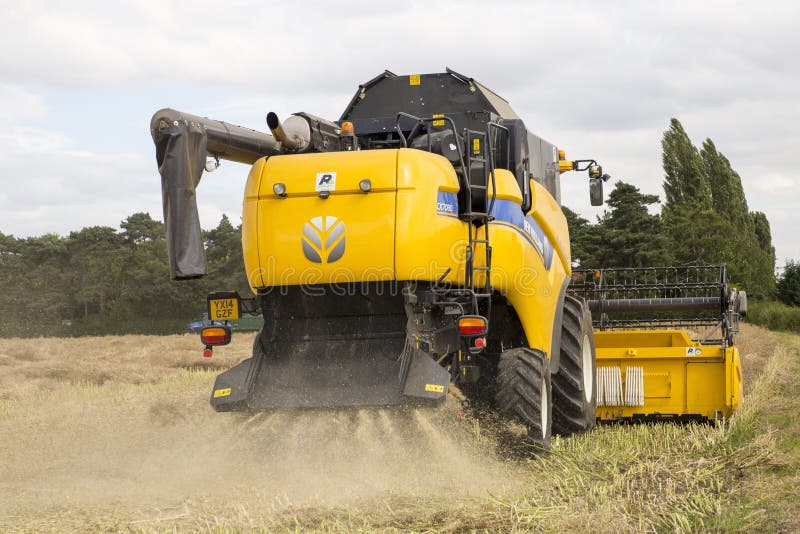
225,309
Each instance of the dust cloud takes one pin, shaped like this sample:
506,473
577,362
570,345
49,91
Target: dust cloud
139,450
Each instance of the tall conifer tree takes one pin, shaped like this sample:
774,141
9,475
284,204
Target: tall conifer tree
696,230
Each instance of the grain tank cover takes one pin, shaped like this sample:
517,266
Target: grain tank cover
422,95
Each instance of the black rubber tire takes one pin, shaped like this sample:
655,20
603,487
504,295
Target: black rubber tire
524,392
574,391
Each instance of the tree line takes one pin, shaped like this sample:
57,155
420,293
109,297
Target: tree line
101,280
704,219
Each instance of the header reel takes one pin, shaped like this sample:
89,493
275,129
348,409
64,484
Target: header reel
692,296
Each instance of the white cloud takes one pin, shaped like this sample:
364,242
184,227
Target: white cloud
18,104
779,185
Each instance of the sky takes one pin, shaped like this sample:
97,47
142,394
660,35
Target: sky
79,81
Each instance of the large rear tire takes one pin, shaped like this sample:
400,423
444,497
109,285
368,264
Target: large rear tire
524,393
574,391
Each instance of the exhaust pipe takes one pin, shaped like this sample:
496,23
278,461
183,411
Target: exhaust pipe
294,135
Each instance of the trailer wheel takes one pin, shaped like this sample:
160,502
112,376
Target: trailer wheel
574,391
524,393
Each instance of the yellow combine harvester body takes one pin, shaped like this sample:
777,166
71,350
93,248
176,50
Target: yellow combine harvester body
664,374
406,228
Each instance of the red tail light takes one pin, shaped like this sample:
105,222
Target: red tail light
215,335
472,325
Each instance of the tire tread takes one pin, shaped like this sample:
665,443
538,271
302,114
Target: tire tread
571,413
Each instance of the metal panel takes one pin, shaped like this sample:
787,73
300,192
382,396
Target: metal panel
544,165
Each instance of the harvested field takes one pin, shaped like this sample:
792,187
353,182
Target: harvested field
116,434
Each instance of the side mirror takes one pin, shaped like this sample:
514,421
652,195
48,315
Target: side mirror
596,191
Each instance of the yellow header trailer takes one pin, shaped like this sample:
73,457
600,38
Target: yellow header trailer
665,342
663,374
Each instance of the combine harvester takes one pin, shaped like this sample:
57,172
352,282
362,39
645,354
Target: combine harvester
417,241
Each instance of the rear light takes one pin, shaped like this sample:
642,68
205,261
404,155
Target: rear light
215,335
472,325
480,342
208,351
279,189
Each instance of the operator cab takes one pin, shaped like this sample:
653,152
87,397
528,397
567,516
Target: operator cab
432,117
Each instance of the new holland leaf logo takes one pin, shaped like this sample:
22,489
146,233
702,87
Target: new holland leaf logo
323,239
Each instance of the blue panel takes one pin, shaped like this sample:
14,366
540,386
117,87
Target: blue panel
509,212
446,203
506,213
